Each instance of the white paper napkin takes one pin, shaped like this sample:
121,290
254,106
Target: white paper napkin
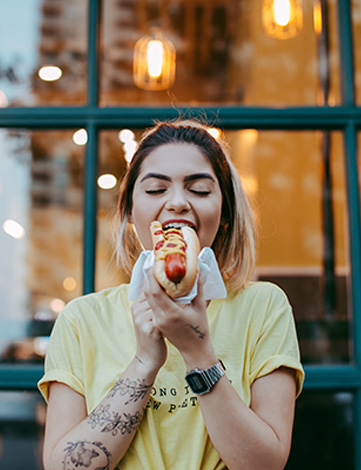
214,287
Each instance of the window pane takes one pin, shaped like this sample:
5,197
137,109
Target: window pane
356,18
296,182
226,53
323,432
52,34
300,194
22,417
111,168
41,186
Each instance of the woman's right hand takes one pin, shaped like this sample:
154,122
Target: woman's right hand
151,347
69,428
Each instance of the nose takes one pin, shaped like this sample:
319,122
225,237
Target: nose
177,201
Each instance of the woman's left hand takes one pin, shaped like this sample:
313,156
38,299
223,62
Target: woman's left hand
184,325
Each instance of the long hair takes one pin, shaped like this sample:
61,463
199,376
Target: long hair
234,244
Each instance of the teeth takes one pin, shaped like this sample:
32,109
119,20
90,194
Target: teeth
176,225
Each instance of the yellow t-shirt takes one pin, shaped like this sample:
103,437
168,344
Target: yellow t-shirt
93,341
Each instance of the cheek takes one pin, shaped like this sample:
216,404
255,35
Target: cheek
141,217
210,224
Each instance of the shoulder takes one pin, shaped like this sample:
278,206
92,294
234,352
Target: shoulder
94,303
260,292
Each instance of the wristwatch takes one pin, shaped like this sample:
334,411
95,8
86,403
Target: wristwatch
202,381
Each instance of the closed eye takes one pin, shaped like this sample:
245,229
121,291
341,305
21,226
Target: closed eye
155,191
200,193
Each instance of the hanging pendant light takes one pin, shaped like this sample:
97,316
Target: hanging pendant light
154,62
317,18
282,19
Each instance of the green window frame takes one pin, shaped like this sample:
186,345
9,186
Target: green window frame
345,118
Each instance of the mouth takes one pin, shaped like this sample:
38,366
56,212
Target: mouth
178,224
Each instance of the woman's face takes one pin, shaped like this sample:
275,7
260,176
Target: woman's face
177,184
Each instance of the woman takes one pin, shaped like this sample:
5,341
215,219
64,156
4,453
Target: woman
115,369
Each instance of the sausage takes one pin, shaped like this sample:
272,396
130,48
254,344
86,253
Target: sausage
175,267
176,258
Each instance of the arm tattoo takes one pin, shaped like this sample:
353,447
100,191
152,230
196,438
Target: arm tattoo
139,360
197,330
82,454
136,389
114,422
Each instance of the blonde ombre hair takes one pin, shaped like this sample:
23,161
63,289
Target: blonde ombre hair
234,244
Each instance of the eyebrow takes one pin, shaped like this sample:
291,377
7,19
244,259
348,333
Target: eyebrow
195,176
158,176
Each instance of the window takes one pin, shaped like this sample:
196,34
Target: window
286,98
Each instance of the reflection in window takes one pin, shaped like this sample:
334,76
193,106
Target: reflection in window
41,181
116,148
303,246
45,64
224,54
296,182
22,418
323,432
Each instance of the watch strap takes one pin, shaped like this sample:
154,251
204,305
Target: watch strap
213,374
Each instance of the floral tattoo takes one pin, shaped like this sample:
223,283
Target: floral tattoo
136,389
82,454
114,422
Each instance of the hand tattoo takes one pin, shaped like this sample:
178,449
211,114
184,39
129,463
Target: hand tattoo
196,330
139,360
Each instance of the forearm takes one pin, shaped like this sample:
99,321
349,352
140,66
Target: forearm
241,438
102,438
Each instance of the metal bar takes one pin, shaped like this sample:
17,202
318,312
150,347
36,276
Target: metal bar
18,377
332,377
329,275
90,210
227,117
91,163
346,52
94,22
357,428
353,198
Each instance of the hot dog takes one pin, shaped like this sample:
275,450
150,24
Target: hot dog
176,258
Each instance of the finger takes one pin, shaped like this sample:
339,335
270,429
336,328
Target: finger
200,286
156,295
153,284
141,311
199,302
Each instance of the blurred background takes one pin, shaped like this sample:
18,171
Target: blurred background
279,80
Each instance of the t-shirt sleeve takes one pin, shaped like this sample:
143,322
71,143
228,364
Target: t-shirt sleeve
63,362
277,343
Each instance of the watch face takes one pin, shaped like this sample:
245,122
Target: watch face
197,382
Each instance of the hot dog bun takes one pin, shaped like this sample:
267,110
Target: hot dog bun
192,249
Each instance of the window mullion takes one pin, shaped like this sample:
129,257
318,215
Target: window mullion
94,22
350,143
90,210
346,52
353,196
